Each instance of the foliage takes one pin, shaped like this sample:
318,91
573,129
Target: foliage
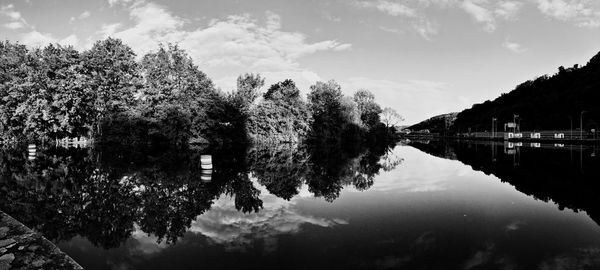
369,110
174,88
285,90
113,78
333,115
282,116
106,94
248,89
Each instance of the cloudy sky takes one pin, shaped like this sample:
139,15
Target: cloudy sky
421,57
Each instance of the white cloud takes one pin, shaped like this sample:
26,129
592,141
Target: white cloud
16,20
562,9
390,30
242,41
418,22
33,38
9,11
439,3
81,16
118,2
389,7
328,16
107,30
426,29
480,14
14,25
235,42
584,13
37,39
512,46
508,9
72,40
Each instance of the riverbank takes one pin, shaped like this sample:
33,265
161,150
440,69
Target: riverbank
22,248
500,139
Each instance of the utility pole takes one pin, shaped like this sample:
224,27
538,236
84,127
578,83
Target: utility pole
492,136
581,125
571,135
494,127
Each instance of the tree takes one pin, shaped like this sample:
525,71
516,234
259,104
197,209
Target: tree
285,90
57,102
279,121
281,116
16,64
325,97
325,105
369,110
390,117
363,97
175,87
171,77
113,78
248,87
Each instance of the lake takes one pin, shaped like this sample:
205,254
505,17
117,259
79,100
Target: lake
415,205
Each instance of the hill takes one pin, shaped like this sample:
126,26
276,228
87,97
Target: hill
436,124
547,102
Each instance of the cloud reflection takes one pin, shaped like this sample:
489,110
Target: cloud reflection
146,244
223,224
416,174
582,258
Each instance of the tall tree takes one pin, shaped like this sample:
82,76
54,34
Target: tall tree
61,106
174,86
281,116
16,65
248,87
113,78
170,76
368,108
329,110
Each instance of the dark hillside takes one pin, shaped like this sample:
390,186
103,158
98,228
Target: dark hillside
436,124
548,102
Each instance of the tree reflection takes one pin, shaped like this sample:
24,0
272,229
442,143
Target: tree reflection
105,193
566,175
281,169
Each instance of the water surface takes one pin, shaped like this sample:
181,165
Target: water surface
421,205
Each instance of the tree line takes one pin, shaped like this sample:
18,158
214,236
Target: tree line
108,94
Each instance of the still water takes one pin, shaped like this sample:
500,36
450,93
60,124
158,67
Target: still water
415,205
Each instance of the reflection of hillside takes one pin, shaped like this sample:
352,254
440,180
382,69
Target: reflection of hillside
107,195
566,175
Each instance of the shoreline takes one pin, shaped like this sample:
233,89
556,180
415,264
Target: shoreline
23,248
512,140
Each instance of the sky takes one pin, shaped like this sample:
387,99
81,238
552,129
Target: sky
419,57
